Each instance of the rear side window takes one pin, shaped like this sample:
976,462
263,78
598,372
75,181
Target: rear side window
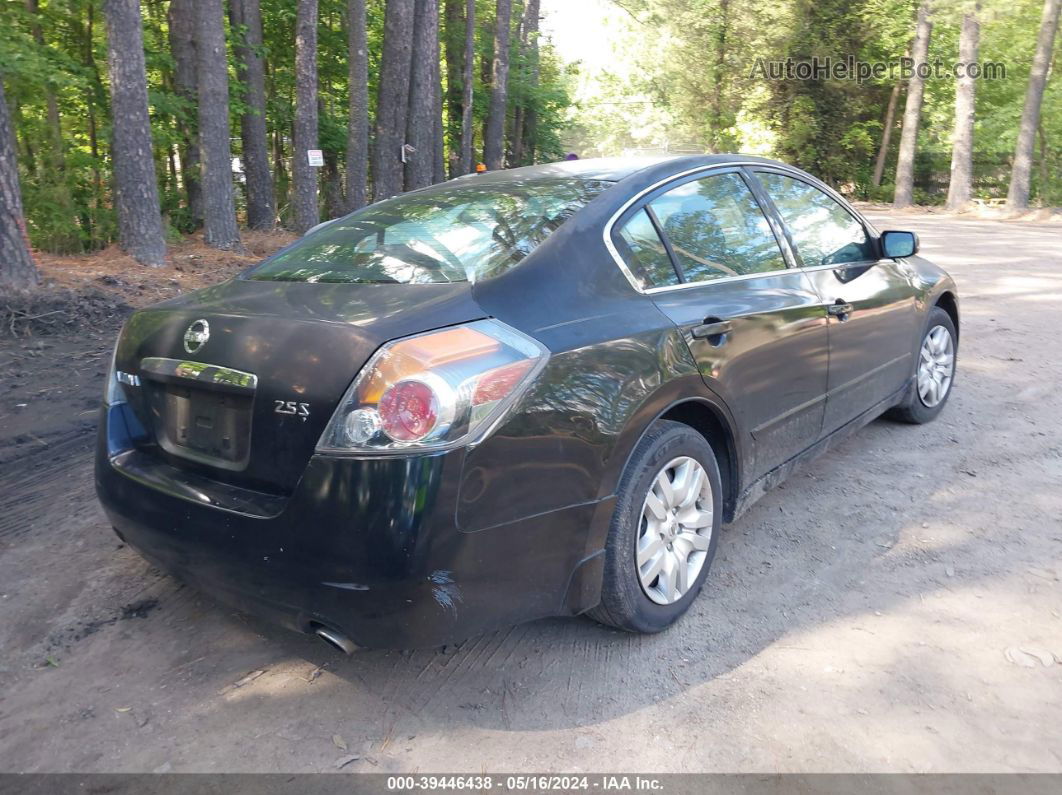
645,252
716,229
454,233
824,232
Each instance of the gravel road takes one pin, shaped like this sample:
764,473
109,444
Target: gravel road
890,608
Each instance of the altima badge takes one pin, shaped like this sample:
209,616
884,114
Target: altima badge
197,335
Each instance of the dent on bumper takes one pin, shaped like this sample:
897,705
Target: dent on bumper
369,547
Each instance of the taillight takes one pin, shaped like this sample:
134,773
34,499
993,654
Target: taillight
434,390
112,390
410,410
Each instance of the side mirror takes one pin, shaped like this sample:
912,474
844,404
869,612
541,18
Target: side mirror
899,244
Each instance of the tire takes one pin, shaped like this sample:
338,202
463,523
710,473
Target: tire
625,602
919,408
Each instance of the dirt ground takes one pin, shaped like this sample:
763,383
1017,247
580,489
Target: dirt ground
895,606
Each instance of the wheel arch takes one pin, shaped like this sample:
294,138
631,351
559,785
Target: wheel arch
950,304
706,416
709,421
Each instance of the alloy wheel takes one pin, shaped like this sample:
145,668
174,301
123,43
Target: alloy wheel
675,530
936,366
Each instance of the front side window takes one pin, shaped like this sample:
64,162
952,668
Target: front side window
460,233
823,231
716,229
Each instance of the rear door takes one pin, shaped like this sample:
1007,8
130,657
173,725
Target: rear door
870,300
711,261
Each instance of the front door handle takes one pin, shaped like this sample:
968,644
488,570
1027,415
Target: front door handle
839,309
712,328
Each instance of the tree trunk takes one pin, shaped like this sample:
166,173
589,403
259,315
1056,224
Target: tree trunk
486,65
886,133
465,160
493,144
250,70
95,98
1021,172
455,67
904,193
280,169
423,96
304,202
531,114
17,270
219,208
438,173
358,128
392,104
182,31
1045,155
960,185
528,28
136,193
721,45
333,186
516,137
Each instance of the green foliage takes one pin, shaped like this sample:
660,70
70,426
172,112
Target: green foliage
674,57
65,172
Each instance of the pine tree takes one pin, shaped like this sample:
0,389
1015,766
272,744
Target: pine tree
17,270
182,33
136,193
392,104
423,96
358,125
304,201
960,185
912,113
493,143
219,207
467,87
1021,172
250,70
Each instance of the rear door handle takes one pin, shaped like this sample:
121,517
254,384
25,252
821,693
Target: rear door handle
839,309
707,330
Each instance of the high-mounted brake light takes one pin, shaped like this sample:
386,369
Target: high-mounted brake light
434,390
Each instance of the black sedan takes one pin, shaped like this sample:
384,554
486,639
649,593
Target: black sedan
529,393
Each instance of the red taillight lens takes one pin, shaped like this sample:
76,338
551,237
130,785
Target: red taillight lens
434,390
498,383
409,411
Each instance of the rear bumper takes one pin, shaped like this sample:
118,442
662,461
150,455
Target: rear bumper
366,546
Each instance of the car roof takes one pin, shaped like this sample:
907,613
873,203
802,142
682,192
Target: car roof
610,169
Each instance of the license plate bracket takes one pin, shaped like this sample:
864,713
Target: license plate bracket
204,425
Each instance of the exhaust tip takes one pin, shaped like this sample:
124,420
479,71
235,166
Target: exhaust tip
336,639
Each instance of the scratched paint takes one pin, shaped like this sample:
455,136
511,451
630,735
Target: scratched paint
444,590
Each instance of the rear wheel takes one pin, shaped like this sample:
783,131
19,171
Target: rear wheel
664,531
934,371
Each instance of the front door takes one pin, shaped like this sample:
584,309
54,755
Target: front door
756,327
870,301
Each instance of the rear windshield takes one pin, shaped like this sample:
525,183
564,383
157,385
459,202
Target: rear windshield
463,233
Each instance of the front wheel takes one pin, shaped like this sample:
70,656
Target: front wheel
934,371
664,531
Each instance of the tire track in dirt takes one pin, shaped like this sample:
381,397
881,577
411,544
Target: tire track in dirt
31,486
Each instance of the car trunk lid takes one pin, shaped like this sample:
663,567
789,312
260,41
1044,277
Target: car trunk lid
238,381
